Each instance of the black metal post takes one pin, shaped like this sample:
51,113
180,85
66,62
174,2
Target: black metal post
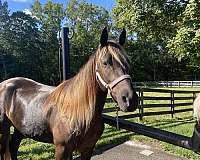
65,52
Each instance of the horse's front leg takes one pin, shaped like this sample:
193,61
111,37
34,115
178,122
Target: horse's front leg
86,154
62,153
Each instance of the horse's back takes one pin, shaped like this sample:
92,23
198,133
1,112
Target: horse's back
23,87
24,83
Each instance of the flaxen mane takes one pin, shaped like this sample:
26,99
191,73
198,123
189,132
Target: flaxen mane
76,98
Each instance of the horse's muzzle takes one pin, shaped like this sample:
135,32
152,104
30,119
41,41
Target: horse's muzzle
128,101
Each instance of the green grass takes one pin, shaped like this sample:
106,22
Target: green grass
182,123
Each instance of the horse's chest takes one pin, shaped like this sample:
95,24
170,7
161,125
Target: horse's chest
91,136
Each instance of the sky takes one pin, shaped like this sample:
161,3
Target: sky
24,5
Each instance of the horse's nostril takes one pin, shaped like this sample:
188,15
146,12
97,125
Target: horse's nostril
124,99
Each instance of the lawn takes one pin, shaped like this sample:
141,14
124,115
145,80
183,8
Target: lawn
182,123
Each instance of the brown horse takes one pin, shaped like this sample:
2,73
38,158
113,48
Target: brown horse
69,116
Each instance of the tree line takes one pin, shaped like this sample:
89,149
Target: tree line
163,38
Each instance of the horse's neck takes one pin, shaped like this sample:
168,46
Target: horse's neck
100,100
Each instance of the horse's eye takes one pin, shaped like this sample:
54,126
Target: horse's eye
105,63
108,61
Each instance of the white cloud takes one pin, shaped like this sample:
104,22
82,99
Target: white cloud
27,11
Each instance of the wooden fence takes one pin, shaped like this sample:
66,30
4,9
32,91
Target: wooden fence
168,84
168,102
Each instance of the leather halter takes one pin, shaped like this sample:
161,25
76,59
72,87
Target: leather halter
112,84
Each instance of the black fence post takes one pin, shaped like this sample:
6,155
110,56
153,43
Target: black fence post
139,102
172,103
141,109
65,52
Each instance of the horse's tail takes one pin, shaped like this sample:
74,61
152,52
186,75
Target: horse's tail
196,108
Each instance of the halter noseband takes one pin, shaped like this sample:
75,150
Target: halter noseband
112,84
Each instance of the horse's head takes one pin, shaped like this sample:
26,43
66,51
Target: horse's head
112,72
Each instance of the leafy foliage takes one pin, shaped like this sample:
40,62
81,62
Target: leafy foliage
153,24
87,22
163,38
186,43
50,17
153,20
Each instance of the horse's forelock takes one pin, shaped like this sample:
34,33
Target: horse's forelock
117,52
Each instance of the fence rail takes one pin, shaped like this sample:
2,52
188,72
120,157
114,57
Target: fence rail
168,84
175,100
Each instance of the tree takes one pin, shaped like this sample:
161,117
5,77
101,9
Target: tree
151,20
81,17
4,18
22,41
50,18
151,24
87,21
4,14
186,42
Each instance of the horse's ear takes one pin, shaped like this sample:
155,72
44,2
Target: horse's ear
104,37
122,37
